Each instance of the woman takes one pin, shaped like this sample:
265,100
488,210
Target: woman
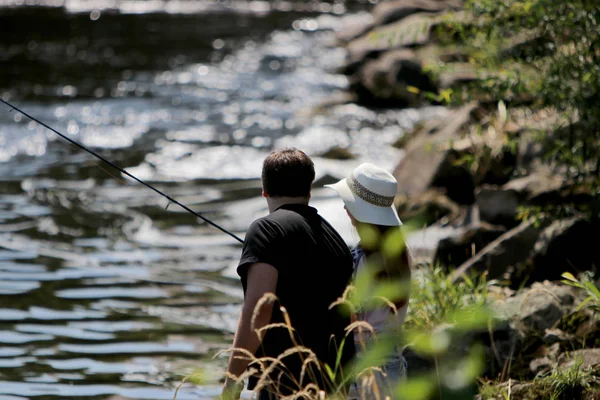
380,258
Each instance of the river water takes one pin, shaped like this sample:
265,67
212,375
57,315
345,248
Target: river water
104,293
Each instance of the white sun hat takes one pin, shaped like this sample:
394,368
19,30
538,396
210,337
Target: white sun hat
368,194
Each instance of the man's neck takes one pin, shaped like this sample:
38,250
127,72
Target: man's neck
276,202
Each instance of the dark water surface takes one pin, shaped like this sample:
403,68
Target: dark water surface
104,293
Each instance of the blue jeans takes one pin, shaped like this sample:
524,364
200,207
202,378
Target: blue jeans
385,380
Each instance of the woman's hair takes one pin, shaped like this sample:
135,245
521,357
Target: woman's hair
390,265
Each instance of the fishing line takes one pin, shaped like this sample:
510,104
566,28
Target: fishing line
171,200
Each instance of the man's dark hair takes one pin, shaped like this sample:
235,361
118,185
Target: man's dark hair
288,172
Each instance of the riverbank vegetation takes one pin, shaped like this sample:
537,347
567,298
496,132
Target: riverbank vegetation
515,168
507,306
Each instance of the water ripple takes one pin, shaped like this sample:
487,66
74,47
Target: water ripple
112,292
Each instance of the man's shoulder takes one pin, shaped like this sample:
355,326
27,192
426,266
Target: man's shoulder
284,217
267,223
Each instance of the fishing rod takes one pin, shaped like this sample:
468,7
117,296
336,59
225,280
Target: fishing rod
171,200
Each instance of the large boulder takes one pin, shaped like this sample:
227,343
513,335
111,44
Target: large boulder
457,74
430,207
500,256
387,80
499,204
392,11
527,317
541,307
564,246
411,31
424,166
355,27
586,358
542,183
455,250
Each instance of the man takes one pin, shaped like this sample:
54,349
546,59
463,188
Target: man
296,255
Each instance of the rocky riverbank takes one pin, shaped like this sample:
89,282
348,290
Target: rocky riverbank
482,168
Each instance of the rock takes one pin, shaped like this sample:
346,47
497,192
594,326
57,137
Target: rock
410,31
538,308
387,79
581,328
509,249
545,358
391,11
527,46
539,184
589,358
457,74
542,364
355,27
424,167
338,153
430,207
429,126
497,205
556,335
454,251
455,179
551,351
564,246
529,150
499,168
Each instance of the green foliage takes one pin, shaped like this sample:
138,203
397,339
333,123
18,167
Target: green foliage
587,285
563,383
436,299
543,53
558,384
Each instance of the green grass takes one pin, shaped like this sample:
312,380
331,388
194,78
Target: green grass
435,299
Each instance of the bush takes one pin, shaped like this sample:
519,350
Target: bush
545,54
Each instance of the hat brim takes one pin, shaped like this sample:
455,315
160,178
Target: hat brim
363,211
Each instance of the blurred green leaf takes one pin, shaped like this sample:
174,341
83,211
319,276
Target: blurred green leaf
569,276
330,373
363,284
465,372
369,236
202,376
393,244
428,343
472,318
418,388
593,289
392,291
375,355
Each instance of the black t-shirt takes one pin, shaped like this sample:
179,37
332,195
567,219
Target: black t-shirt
314,267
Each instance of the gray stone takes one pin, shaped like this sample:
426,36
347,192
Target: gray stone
538,308
497,205
391,11
389,77
538,183
587,358
564,246
425,166
430,207
458,74
556,336
509,249
541,364
455,250
410,31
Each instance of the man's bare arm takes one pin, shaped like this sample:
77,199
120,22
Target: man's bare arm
262,279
